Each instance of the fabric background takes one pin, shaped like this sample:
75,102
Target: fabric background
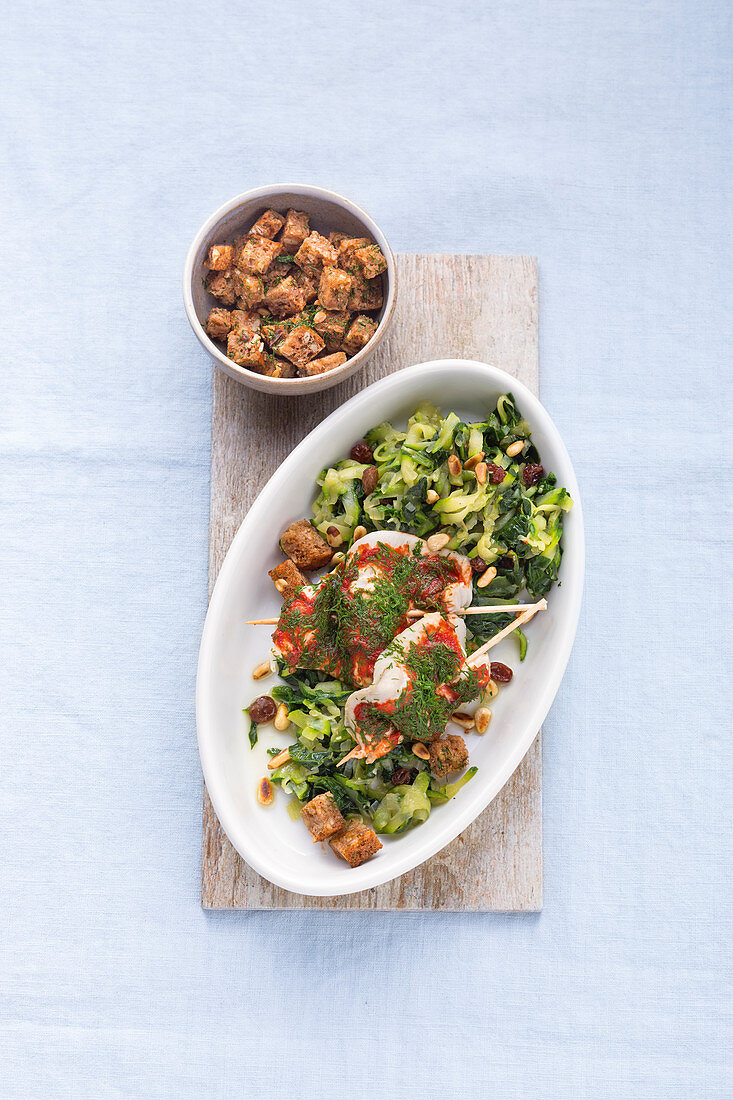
593,134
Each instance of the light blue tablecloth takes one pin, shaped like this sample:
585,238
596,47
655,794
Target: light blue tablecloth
590,133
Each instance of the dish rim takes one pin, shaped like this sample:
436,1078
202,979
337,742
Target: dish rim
476,799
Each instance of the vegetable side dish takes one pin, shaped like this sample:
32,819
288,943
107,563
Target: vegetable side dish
293,302
432,537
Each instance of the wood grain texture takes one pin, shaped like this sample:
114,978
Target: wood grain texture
472,307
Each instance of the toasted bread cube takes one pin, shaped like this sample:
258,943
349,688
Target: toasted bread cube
307,279
316,251
323,817
273,331
356,843
218,323
346,250
335,288
335,238
285,298
220,258
247,351
324,363
287,578
301,345
303,544
371,260
358,334
448,755
245,322
249,289
221,285
268,224
257,255
279,368
366,294
331,327
295,230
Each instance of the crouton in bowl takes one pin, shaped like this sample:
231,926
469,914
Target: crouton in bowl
290,288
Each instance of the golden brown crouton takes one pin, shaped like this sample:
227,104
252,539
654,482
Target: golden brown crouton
257,254
304,545
323,817
287,578
221,285
358,334
285,298
300,345
218,323
295,230
279,368
371,260
247,351
335,238
366,294
268,224
249,289
335,288
315,250
245,322
346,250
331,327
324,363
448,755
220,258
356,843
307,279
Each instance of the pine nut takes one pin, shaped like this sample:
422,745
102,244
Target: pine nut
486,577
438,541
263,669
472,462
454,465
482,717
334,536
420,751
490,691
282,718
281,758
414,615
515,448
337,558
281,585
432,496
464,720
481,473
265,792
359,532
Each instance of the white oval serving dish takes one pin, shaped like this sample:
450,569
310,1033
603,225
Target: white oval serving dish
275,846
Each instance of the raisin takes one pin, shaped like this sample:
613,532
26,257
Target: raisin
532,473
369,479
361,452
496,474
402,776
263,709
502,674
478,565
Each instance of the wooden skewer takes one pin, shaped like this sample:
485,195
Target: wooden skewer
416,613
520,620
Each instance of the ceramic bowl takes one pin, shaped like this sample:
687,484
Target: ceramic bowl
281,849
328,211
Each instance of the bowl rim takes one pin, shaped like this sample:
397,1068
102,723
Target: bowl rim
468,809
289,386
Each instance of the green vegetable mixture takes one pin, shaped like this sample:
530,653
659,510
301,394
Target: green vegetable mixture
509,518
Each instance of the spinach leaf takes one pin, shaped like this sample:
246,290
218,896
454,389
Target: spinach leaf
253,730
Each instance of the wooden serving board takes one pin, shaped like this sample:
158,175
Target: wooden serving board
471,307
